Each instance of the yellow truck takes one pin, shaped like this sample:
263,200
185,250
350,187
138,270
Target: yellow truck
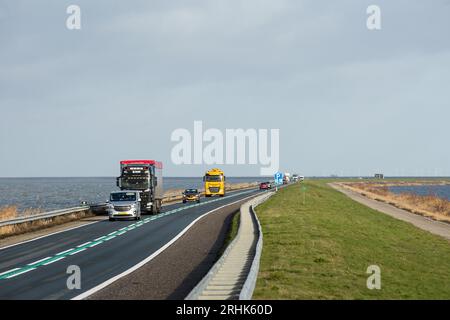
214,183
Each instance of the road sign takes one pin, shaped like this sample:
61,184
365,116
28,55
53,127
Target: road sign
278,177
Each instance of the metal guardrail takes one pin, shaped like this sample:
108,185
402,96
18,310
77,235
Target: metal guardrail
45,215
56,213
229,278
177,197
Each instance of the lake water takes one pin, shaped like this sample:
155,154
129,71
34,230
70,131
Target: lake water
58,193
442,191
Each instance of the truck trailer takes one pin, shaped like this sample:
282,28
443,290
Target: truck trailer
144,176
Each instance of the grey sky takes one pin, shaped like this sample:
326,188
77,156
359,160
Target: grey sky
346,100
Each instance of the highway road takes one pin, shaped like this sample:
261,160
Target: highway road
103,250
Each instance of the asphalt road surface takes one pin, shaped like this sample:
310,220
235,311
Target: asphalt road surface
102,250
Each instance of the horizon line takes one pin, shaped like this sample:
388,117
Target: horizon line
311,176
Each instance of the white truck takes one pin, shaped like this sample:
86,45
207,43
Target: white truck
286,178
296,178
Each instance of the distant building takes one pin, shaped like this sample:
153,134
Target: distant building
379,176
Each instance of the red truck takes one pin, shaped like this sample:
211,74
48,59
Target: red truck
144,176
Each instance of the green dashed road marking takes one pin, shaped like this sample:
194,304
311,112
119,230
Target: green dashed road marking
19,272
46,261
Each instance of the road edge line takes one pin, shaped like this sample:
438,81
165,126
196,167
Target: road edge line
48,235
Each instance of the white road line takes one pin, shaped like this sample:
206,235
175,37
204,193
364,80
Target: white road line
61,231
75,252
19,273
36,262
95,244
58,254
101,238
82,245
12,270
151,257
48,235
50,262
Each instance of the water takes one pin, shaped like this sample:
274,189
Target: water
441,191
58,193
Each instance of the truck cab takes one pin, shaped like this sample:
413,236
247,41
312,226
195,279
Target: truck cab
144,176
124,204
214,180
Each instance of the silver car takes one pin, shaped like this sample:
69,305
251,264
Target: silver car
124,205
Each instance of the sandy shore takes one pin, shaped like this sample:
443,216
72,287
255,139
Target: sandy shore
387,183
436,227
428,206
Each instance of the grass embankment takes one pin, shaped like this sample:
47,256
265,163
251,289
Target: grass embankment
427,205
322,249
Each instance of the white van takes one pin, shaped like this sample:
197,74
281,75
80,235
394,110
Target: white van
124,204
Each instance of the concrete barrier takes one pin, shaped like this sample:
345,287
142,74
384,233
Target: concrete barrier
233,276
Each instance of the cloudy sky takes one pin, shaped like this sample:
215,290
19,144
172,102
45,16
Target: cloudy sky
347,100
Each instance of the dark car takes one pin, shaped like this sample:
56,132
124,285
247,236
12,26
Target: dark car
191,195
265,186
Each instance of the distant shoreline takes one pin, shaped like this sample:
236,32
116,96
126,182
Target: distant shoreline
113,177
432,206
364,178
386,183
